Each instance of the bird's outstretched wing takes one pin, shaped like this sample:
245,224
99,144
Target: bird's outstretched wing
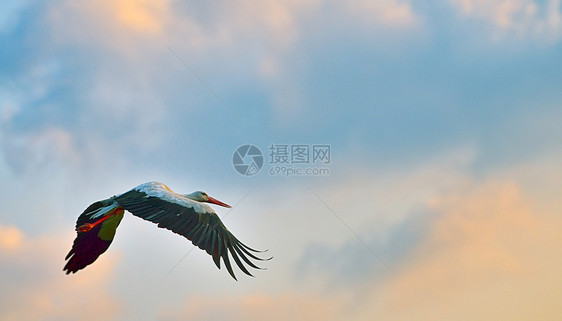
194,220
89,245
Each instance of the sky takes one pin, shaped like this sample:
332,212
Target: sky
440,199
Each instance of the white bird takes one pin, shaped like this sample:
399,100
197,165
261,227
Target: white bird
184,214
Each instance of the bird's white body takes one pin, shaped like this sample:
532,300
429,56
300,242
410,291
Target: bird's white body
161,191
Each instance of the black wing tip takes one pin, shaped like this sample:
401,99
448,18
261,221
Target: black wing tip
232,252
262,268
231,272
264,259
251,249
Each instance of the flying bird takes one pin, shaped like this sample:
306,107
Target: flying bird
185,214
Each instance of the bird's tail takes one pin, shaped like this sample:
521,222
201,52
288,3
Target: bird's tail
96,228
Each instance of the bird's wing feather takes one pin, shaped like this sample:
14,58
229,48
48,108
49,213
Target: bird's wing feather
195,221
88,246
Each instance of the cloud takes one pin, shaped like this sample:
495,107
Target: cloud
130,20
113,57
387,208
460,247
286,66
39,150
123,17
11,238
485,252
257,307
391,13
478,245
525,18
34,286
263,37
488,254
140,15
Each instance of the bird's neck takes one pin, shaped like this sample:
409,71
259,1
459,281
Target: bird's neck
193,196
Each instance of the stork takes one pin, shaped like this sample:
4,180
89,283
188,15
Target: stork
185,214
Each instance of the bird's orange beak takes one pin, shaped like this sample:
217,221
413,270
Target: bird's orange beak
215,201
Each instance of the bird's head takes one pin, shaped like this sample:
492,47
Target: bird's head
200,196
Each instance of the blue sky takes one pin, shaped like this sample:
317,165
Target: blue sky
444,125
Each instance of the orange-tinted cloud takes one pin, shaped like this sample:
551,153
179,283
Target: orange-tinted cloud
140,15
487,252
34,287
489,255
258,307
11,238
